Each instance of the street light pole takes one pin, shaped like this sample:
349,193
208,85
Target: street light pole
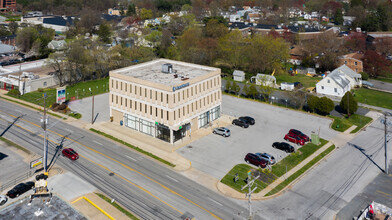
45,137
385,143
92,107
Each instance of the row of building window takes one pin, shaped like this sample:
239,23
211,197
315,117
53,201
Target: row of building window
153,111
179,96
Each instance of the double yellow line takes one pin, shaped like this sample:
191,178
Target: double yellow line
127,167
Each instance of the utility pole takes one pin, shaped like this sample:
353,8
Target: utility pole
348,106
92,107
385,141
45,137
249,194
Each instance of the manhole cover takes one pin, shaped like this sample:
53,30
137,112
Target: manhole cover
111,174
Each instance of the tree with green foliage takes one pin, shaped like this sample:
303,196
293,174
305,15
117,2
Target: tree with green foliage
215,29
338,16
312,103
324,106
348,104
231,46
26,38
105,33
13,27
145,14
364,76
228,86
235,88
252,91
131,9
245,89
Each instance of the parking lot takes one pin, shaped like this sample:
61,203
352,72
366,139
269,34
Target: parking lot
216,155
11,163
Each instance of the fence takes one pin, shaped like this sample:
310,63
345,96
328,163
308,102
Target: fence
17,180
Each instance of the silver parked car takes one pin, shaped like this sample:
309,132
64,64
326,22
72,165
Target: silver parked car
222,131
271,159
3,200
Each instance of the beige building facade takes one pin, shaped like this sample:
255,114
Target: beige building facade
165,99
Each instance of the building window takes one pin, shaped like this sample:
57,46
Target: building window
121,101
145,108
156,95
355,63
183,94
215,113
174,98
112,83
167,115
187,93
150,93
145,93
322,87
116,84
156,112
135,90
183,111
204,119
187,108
112,98
178,94
161,96
167,98
140,105
116,99
162,113
121,86
345,62
45,84
328,81
140,91
150,110
179,113
336,90
191,91
130,88
126,101
174,114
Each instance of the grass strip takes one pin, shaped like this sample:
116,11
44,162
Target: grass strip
374,97
300,171
292,160
30,106
342,124
133,147
242,170
10,143
117,206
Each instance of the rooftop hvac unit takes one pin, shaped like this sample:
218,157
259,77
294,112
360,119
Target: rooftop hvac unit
167,68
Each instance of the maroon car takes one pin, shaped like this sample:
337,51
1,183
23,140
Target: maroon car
256,160
70,153
294,139
299,134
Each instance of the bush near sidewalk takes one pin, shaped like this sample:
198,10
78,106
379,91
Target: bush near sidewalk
133,147
300,171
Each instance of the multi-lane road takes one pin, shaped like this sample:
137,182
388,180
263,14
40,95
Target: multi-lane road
149,189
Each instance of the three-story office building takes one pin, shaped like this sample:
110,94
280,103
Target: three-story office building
165,99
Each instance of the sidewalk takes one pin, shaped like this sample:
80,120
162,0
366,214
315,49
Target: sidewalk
156,146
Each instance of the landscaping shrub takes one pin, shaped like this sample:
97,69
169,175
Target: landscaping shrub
14,92
348,103
62,107
364,75
55,105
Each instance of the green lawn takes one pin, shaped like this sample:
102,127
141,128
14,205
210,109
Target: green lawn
300,171
77,91
278,169
388,78
306,81
373,97
242,170
343,123
294,159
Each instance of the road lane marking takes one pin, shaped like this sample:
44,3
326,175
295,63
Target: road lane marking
131,158
384,193
98,143
172,178
153,180
68,130
215,201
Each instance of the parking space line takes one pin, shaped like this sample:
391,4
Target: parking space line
384,193
171,178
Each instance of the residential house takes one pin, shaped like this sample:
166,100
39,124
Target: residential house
353,61
339,81
57,44
379,39
116,11
235,18
238,75
264,79
348,20
58,23
6,49
296,55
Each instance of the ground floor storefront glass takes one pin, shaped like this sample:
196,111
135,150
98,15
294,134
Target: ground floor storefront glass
209,116
139,124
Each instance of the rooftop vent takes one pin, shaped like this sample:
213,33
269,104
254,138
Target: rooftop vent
167,68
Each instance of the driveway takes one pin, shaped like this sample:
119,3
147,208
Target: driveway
381,85
216,155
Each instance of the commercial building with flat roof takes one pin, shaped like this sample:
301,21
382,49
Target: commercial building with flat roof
165,99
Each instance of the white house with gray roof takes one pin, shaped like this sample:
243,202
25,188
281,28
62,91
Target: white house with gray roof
339,81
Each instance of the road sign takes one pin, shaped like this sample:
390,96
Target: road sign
35,162
60,95
236,177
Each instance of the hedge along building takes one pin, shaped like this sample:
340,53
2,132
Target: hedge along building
165,99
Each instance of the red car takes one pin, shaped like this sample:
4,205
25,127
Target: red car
256,160
294,139
299,134
70,153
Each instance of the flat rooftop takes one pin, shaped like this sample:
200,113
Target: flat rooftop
152,71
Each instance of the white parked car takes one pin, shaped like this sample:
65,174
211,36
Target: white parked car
3,200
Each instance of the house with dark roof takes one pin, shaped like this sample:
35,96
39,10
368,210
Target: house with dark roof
58,23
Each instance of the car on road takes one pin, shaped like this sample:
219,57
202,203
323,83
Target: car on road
299,134
283,146
20,189
256,160
294,139
222,131
268,157
3,200
248,120
70,153
240,123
